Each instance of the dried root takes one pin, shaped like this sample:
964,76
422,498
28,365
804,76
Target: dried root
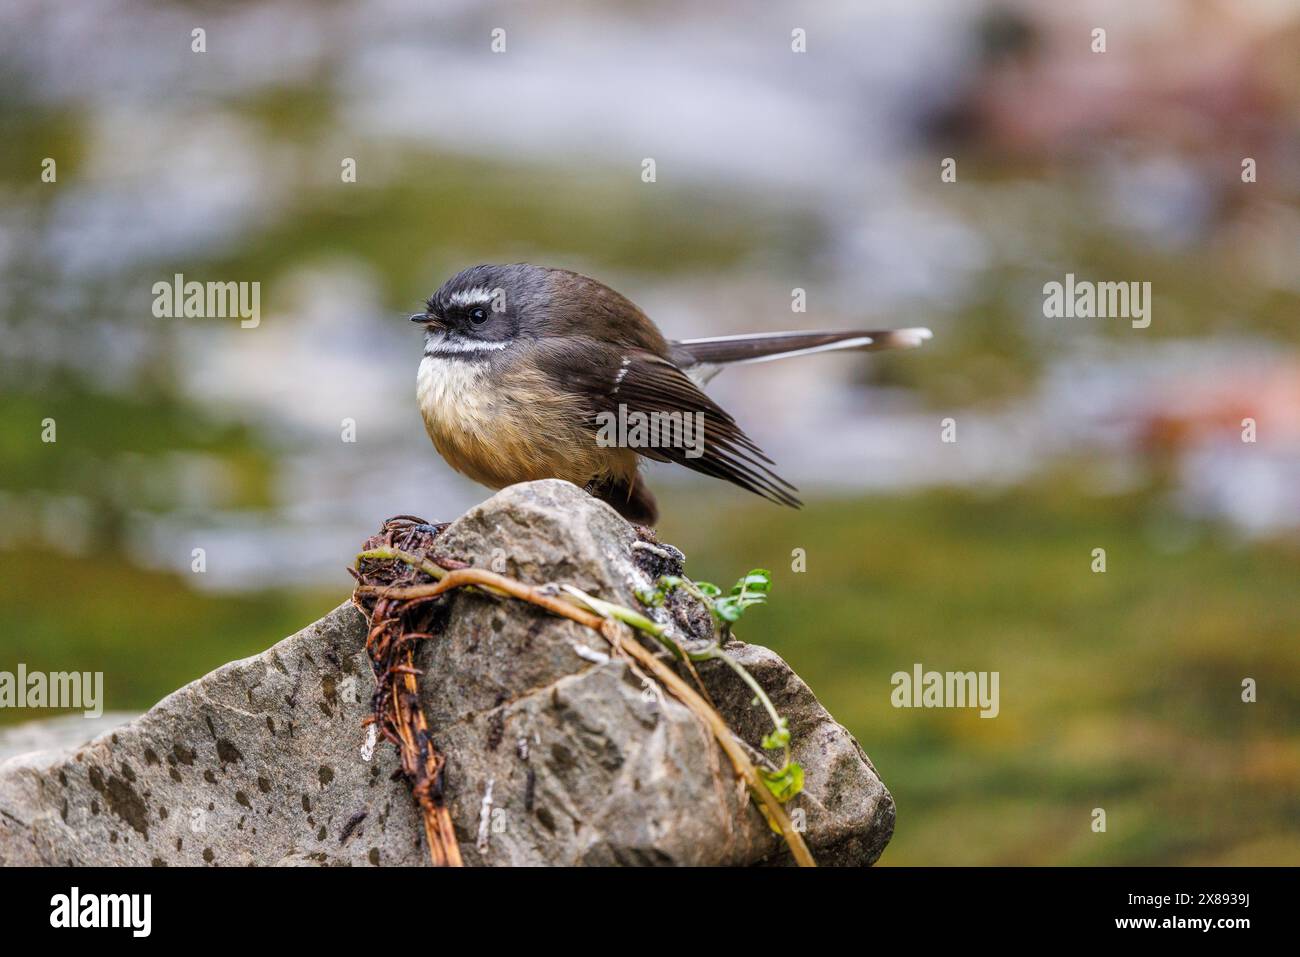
400,579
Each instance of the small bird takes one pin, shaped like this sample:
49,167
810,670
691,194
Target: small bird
527,370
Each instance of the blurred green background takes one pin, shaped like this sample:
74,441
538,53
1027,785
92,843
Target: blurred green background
776,171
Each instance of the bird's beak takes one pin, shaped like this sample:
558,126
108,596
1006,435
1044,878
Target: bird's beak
425,318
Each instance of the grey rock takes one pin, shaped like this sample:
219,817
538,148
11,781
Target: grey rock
259,761
558,752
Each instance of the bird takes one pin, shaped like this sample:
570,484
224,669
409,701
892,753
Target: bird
531,372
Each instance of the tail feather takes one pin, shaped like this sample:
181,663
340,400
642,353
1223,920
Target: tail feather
765,346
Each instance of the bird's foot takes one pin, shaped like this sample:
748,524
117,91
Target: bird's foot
406,528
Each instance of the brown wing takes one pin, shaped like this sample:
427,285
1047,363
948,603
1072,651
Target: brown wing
645,384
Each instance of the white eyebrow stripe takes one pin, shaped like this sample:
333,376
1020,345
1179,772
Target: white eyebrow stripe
471,297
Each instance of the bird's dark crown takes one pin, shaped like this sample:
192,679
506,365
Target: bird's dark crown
496,304
487,302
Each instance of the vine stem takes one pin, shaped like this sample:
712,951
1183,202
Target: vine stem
712,652
605,618
716,652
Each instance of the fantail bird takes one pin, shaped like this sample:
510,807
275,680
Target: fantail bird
523,366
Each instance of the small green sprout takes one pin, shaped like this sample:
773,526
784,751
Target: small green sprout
784,783
752,589
779,736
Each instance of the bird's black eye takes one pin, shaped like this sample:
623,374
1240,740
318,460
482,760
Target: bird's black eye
478,315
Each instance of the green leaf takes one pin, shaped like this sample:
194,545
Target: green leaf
779,736
784,783
750,590
708,589
729,609
757,582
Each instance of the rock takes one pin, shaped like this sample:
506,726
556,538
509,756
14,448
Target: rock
558,753
259,761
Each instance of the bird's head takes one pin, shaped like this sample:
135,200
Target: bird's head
482,309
